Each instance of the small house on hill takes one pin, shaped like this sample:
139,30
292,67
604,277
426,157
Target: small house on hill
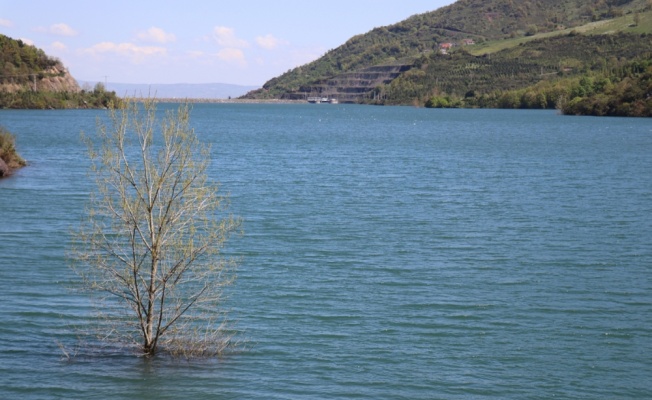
444,47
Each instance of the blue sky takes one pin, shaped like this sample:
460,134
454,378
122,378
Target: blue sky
245,42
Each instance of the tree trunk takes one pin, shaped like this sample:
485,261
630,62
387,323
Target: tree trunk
149,346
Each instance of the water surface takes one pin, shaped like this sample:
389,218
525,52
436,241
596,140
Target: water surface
389,252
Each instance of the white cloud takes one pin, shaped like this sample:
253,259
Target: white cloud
156,35
59,46
269,42
62,30
27,41
6,23
232,55
226,37
136,54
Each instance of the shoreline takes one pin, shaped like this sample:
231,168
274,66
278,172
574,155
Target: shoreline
225,101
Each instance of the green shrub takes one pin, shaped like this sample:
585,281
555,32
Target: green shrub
8,150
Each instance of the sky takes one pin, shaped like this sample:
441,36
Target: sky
242,42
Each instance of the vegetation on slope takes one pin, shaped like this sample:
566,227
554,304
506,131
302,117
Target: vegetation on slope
19,61
27,98
619,91
626,93
480,80
517,44
31,79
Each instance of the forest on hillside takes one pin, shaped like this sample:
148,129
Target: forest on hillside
19,62
479,79
625,93
499,54
22,69
620,91
479,20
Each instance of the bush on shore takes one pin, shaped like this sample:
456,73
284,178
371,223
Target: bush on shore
9,158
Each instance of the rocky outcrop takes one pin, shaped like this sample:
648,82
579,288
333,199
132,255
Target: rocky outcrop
58,79
54,79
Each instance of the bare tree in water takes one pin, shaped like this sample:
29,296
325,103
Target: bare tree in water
150,245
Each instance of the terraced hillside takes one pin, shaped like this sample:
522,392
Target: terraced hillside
408,53
350,87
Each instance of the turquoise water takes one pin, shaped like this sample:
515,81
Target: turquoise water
389,252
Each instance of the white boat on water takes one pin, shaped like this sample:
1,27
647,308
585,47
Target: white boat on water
319,100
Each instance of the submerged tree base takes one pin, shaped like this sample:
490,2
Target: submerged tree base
149,251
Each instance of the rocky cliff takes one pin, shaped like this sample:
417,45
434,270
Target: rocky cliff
56,78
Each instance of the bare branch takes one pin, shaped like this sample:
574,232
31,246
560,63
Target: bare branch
153,235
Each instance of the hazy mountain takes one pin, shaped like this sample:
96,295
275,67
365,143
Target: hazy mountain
176,90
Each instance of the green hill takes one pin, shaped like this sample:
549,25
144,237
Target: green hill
491,45
19,62
462,74
626,92
29,78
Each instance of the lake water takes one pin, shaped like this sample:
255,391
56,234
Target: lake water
389,252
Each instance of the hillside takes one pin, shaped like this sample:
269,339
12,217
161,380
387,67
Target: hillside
399,64
29,78
623,93
24,66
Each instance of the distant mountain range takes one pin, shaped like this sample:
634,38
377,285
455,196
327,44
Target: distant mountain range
176,90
